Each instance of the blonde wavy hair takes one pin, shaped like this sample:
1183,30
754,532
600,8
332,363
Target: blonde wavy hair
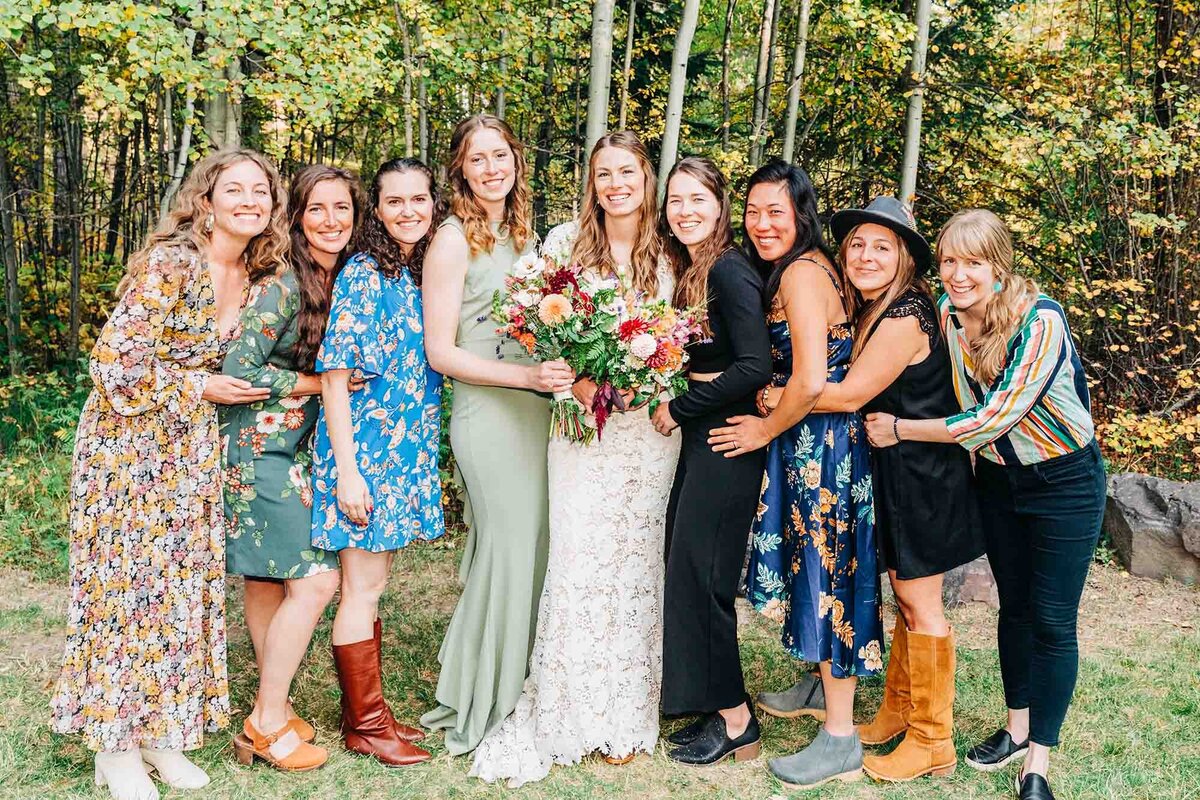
183,227
591,243
869,312
978,233
517,219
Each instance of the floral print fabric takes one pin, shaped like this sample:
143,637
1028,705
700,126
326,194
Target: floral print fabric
268,489
145,655
813,558
375,327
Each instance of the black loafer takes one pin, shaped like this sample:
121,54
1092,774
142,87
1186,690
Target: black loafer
996,752
688,733
712,744
1033,787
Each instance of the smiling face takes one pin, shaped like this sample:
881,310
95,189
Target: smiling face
692,209
872,259
489,168
405,206
770,220
241,201
969,279
328,219
619,182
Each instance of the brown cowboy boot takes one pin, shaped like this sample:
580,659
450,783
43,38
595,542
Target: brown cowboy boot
928,745
891,719
368,727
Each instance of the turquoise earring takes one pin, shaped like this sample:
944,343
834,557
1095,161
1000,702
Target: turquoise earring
997,286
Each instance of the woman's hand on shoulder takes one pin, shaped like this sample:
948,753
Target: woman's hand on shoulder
228,391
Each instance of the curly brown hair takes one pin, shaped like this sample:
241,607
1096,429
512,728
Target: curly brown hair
316,284
183,226
463,204
373,238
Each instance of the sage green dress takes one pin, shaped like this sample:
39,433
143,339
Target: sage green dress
499,438
268,492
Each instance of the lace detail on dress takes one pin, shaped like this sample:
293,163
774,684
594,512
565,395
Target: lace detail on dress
596,668
915,304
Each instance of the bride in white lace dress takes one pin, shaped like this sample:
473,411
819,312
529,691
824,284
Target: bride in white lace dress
596,667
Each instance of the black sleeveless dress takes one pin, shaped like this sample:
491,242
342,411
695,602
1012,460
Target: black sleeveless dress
926,516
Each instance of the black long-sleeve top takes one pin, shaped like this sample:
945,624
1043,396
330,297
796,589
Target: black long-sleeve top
740,346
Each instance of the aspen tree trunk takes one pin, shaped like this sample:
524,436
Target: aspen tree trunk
726,51
793,103
406,43
599,77
674,115
912,122
422,103
766,33
501,104
628,60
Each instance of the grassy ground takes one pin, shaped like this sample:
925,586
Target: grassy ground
1134,731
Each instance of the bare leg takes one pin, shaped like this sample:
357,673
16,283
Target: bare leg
262,599
286,642
920,602
364,577
1037,760
839,702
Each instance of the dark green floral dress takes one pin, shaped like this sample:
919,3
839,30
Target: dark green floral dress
268,493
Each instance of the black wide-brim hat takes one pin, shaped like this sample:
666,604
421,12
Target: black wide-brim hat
891,214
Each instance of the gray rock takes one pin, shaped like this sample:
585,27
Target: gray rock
1146,518
970,583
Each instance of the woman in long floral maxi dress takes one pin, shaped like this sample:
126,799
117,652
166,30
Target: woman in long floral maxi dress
143,673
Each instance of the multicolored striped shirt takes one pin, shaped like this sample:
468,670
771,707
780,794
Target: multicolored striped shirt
1038,407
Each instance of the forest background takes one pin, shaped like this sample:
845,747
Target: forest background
1078,121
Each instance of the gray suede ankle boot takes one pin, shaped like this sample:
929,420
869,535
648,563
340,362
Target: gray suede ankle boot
828,758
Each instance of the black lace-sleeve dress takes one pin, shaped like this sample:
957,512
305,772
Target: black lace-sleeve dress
926,517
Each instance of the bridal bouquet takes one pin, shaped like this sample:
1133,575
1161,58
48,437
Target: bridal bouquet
555,309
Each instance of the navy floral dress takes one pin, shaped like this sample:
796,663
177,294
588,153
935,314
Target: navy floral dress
813,560
375,328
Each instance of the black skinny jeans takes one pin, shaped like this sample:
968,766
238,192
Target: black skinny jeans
1041,523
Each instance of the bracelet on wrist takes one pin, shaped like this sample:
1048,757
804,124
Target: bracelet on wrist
896,428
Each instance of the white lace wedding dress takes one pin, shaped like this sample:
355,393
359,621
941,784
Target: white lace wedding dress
596,667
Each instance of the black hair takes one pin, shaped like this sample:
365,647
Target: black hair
809,228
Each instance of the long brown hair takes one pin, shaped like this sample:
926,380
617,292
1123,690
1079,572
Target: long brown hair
691,277
373,238
591,243
183,227
978,233
315,283
517,222
869,312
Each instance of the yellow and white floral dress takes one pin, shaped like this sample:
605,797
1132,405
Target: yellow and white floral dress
145,655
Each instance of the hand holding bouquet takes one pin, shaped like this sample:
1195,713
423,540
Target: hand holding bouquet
559,310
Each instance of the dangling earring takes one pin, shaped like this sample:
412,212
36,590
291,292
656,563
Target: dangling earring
208,223
997,286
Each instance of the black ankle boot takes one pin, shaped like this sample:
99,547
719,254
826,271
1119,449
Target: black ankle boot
1033,787
688,733
712,744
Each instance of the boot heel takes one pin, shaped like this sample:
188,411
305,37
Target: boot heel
748,752
243,750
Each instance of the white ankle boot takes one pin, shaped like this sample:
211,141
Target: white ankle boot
174,768
125,776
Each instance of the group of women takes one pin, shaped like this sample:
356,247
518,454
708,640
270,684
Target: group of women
267,402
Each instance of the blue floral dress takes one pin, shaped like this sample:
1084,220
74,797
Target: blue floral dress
813,560
375,328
